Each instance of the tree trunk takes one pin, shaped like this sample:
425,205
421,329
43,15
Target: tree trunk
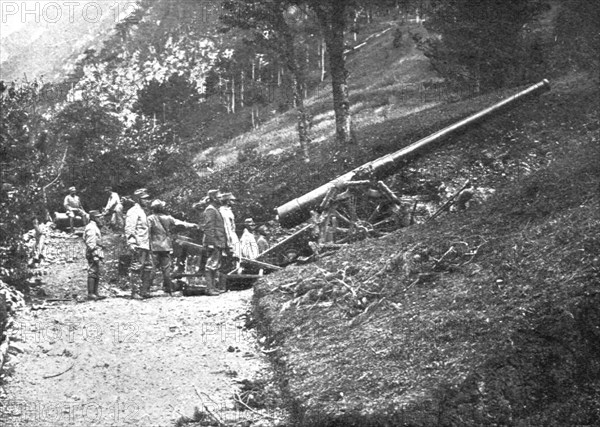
260,69
355,25
242,89
232,93
307,54
297,83
332,20
323,59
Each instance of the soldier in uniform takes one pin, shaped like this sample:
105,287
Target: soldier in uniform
248,240
93,253
114,208
261,241
73,207
137,235
160,225
234,251
214,241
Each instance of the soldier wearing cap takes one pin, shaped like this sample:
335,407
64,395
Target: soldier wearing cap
261,241
248,240
114,208
233,242
161,245
93,254
73,207
137,235
214,240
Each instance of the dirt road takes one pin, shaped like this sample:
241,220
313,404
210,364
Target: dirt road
128,362
124,362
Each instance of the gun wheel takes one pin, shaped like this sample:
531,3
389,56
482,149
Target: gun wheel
358,213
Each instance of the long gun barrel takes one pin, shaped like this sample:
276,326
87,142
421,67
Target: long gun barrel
298,210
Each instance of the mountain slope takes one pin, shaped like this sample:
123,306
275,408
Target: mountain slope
46,38
487,317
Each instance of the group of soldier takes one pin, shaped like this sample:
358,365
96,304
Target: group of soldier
150,242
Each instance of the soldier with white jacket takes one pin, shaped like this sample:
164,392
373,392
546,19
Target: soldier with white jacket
138,241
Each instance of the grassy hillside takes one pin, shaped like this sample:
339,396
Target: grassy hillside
490,317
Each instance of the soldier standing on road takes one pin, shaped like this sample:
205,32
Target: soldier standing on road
248,240
114,208
160,225
93,253
73,207
137,235
233,242
214,241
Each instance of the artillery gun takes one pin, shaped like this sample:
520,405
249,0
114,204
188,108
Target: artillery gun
337,202
348,208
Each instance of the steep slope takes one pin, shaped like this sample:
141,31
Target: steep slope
45,38
490,317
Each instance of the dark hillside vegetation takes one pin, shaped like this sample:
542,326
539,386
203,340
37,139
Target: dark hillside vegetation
488,317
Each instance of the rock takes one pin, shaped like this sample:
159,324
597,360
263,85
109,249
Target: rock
15,349
231,349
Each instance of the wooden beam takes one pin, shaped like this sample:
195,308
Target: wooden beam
261,264
285,241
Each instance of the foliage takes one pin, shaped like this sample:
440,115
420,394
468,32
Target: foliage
169,100
577,31
23,173
481,42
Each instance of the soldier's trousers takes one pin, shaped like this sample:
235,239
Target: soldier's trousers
162,261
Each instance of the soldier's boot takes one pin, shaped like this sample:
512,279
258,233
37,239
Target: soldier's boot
71,224
222,282
134,285
146,283
90,288
210,283
168,286
100,297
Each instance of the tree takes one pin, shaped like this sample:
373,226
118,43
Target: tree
23,174
332,19
265,21
168,100
479,42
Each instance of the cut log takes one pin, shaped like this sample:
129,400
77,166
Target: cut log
61,220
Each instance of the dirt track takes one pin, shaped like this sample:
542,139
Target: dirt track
128,362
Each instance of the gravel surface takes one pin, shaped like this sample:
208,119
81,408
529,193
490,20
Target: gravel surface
129,362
